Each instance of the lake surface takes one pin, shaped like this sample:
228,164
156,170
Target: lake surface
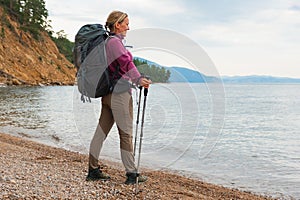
240,136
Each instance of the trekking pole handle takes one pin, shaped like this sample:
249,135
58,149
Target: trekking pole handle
147,77
146,89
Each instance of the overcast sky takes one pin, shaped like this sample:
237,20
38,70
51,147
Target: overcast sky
241,37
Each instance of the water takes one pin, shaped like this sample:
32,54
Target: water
252,145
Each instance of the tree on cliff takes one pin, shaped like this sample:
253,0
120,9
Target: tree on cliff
157,74
64,45
31,14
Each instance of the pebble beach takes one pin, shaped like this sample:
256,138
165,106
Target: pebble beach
31,170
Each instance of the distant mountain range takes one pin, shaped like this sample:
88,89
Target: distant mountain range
259,79
181,74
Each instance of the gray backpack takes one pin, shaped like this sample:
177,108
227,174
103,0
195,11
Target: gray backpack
93,77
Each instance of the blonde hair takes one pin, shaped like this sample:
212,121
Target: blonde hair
113,18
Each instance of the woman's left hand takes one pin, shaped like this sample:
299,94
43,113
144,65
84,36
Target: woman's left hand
144,82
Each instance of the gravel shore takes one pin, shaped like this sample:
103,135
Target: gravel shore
31,170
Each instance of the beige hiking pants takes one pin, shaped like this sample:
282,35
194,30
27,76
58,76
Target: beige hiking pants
115,108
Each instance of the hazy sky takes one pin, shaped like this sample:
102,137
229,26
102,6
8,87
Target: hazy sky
241,37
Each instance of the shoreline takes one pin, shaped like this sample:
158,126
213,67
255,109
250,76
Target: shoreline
32,170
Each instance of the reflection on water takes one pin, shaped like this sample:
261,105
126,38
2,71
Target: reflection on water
21,107
41,113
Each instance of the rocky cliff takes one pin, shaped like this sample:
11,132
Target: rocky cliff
25,60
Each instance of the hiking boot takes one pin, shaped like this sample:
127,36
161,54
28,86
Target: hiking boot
97,174
131,178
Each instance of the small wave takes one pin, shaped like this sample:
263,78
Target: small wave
56,138
24,135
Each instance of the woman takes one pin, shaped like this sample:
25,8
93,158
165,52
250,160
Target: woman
117,106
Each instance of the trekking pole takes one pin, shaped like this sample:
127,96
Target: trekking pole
141,138
137,119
